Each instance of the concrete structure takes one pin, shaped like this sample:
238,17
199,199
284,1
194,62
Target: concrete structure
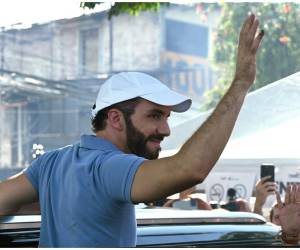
50,73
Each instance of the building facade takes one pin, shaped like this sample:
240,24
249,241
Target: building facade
50,72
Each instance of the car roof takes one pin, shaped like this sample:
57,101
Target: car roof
167,227
158,216
177,216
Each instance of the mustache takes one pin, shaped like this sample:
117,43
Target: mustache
159,137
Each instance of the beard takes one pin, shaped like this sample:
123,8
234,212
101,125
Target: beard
137,142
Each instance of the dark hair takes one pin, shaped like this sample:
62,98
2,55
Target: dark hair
126,107
272,211
231,193
271,214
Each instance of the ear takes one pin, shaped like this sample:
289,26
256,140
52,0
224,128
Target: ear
115,119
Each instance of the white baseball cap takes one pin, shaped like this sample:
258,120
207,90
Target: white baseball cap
128,85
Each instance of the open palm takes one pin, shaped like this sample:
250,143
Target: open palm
289,213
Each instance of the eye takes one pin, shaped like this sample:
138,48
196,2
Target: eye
155,116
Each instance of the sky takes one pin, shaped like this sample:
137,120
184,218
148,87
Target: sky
21,13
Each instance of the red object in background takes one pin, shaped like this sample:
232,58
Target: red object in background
284,39
199,8
287,8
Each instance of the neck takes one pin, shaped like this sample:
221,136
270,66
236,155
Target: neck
115,139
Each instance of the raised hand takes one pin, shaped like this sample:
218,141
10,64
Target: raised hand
263,189
289,213
249,42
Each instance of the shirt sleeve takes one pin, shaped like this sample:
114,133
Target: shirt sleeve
117,174
32,173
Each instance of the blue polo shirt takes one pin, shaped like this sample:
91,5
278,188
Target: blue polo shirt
84,192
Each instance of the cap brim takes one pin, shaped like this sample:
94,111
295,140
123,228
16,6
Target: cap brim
178,102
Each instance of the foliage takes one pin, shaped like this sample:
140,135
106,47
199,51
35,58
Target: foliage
132,8
279,53
278,56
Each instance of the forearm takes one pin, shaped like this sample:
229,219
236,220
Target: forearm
7,207
14,193
7,204
32,208
204,148
258,208
15,209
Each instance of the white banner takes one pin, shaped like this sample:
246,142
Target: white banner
286,176
217,184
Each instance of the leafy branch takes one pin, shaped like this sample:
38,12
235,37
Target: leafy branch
133,9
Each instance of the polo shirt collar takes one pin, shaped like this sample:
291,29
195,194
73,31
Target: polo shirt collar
98,143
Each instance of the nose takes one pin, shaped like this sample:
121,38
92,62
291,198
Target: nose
164,129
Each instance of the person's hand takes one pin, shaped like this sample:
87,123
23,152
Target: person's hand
263,189
249,42
289,213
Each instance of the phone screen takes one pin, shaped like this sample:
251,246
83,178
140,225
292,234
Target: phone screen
267,170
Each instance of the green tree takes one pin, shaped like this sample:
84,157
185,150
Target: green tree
132,8
279,54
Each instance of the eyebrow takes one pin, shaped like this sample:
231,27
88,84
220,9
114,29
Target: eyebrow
158,111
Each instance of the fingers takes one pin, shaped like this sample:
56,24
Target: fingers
265,178
297,195
293,193
248,22
258,39
267,185
248,33
287,198
278,198
253,29
262,181
271,189
248,44
249,27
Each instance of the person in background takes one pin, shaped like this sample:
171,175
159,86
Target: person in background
263,189
274,214
235,204
287,214
188,201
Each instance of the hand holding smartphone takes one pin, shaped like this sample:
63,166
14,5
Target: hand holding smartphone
267,169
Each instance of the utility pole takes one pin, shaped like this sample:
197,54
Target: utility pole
1,108
111,45
18,63
1,127
2,48
20,136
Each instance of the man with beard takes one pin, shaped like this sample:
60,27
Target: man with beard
87,191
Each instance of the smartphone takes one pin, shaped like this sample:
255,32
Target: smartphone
267,169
